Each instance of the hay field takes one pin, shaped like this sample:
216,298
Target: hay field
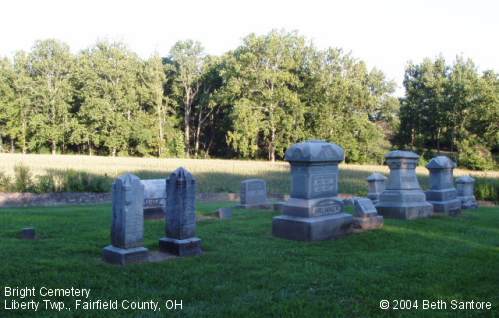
214,175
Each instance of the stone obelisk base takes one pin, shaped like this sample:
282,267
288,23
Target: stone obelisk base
312,228
185,247
124,256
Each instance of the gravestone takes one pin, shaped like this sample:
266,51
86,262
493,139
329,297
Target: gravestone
127,231
366,216
154,198
465,192
180,227
28,233
253,194
224,213
376,185
313,211
442,194
403,197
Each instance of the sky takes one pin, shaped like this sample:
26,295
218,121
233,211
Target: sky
386,34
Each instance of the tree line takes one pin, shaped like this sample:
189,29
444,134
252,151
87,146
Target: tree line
251,102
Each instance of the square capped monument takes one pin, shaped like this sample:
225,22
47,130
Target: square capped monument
180,227
442,194
127,231
253,194
403,197
366,216
376,185
313,211
465,192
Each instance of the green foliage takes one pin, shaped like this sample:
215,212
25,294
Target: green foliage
487,190
474,156
22,179
5,182
451,108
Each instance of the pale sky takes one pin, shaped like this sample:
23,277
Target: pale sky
385,34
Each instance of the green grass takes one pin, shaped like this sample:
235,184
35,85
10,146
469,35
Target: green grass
246,272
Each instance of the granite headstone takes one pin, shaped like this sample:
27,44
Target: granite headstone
442,194
154,198
253,194
365,215
127,231
403,197
313,211
465,192
180,227
376,185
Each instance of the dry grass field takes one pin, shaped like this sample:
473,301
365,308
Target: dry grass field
214,175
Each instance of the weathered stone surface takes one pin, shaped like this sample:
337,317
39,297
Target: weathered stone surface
253,194
442,194
28,233
313,212
465,192
127,232
124,256
366,216
181,215
224,213
364,208
403,197
376,185
365,224
154,197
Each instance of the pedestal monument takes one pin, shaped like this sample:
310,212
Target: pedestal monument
442,194
403,197
465,192
313,211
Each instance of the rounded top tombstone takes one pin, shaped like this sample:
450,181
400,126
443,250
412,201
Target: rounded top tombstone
315,151
441,162
465,179
401,154
376,177
182,175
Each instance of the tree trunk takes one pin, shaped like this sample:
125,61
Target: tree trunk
54,147
90,149
160,126
272,146
12,146
196,145
186,133
1,144
113,152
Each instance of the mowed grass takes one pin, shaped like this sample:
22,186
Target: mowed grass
213,175
246,272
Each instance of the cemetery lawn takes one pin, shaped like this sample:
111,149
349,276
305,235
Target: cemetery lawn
246,272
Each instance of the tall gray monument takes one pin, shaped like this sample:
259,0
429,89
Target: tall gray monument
127,231
313,212
181,215
376,185
442,194
403,197
465,192
253,194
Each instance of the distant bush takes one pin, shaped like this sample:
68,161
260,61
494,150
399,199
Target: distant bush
22,179
5,185
487,190
475,157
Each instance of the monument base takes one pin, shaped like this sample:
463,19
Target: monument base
468,202
407,212
185,247
124,256
369,223
312,228
450,207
